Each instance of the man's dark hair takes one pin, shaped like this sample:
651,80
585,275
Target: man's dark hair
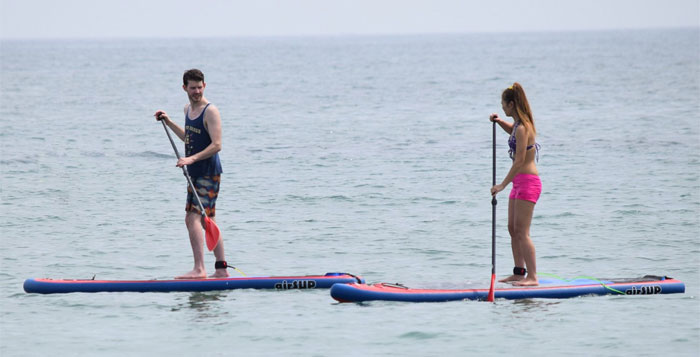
192,75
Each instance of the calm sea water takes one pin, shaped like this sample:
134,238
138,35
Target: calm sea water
370,155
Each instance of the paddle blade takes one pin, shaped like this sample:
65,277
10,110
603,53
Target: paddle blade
212,233
492,289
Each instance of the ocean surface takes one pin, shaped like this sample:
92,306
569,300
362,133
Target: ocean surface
368,155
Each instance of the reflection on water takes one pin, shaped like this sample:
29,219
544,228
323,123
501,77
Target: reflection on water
205,304
522,308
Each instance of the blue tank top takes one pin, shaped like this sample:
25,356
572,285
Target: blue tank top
197,139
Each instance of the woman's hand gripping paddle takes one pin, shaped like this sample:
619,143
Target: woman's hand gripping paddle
212,232
492,289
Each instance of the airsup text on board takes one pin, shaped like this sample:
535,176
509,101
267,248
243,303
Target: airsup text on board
296,284
644,290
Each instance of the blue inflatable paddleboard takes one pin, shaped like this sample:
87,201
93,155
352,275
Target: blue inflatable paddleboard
51,286
548,289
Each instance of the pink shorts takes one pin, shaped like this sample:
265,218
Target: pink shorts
526,187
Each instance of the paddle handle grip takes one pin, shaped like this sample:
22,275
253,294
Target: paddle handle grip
184,170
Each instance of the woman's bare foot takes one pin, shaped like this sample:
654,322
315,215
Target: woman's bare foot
512,278
529,281
194,274
220,273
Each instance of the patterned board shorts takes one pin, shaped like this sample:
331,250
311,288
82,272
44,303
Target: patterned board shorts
208,190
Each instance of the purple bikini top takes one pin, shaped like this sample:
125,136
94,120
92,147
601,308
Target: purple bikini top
511,144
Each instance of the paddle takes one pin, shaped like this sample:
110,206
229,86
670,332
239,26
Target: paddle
490,298
211,230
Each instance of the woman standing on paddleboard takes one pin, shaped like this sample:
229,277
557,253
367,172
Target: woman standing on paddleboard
526,182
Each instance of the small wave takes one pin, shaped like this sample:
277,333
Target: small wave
339,198
629,212
148,155
93,153
18,161
424,198
315,198
560,215
419,335
256,221
299,198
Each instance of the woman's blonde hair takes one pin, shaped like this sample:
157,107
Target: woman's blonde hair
516,94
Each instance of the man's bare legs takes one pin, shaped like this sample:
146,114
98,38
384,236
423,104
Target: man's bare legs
195,228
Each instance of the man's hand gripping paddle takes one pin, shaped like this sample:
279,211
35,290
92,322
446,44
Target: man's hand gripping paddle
212,232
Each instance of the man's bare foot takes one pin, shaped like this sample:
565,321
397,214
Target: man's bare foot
527,282
512,278
194,274
220,273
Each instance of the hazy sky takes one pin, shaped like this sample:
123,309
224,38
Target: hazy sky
221,18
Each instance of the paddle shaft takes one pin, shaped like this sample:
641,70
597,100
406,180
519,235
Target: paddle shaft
492,290
494,202
184,170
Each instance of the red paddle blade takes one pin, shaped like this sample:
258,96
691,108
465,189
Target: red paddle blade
492,291
212,233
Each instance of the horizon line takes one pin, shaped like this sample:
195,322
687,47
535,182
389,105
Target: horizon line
347,34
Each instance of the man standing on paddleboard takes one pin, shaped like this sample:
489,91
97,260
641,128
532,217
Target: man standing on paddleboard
202,137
